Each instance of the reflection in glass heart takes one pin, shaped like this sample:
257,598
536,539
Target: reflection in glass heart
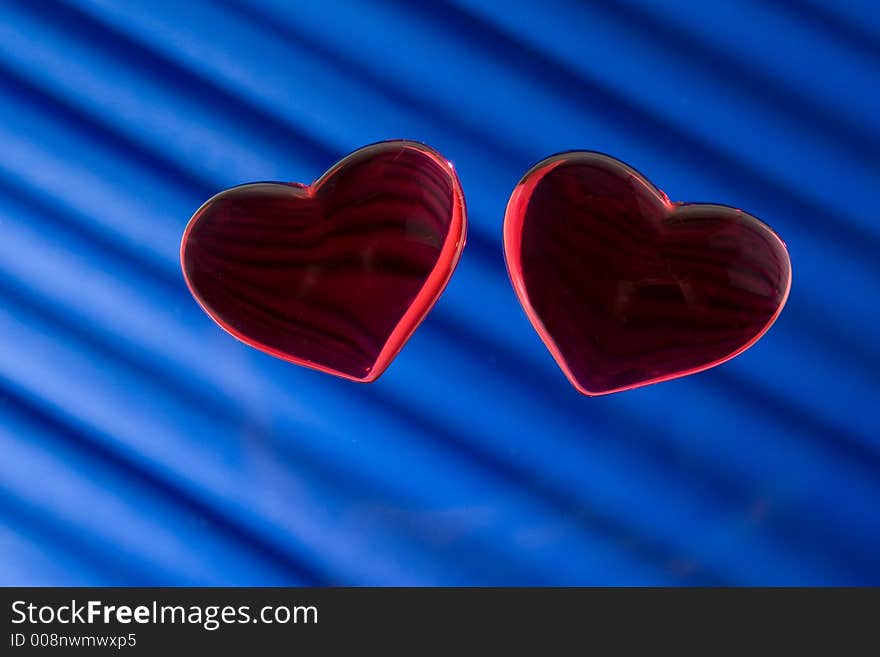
626,288
335,275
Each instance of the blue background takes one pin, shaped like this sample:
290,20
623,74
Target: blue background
140,444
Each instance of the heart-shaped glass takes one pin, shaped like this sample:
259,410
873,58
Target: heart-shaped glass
335,275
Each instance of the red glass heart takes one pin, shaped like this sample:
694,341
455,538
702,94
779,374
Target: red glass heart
335,275
626,288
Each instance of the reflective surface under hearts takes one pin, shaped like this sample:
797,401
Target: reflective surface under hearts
626,288
335,275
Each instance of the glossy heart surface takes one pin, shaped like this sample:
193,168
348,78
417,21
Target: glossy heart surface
335,275
626,288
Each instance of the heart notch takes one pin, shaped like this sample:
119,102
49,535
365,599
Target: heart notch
336,275
626,288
